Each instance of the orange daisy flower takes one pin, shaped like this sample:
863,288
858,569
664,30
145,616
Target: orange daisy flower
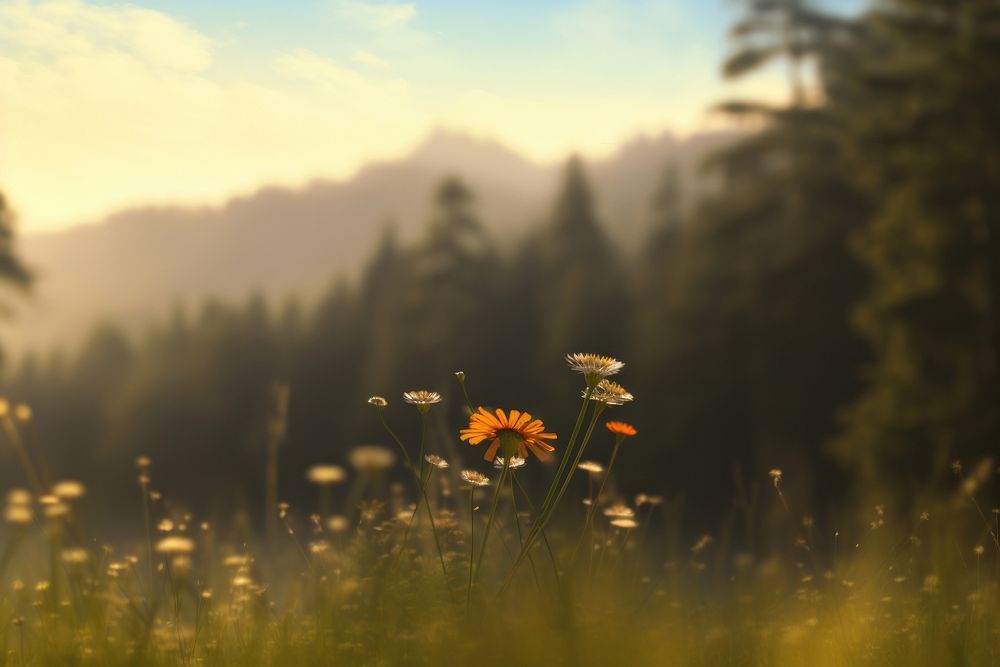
621,428
529,434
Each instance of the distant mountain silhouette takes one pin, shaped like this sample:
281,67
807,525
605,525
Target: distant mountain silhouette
137,264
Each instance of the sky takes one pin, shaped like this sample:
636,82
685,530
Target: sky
105,104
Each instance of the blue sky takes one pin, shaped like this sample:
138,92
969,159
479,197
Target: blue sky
193,101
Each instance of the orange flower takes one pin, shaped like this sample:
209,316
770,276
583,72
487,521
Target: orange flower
621,428
527,433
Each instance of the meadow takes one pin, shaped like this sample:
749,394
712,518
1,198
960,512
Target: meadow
465,565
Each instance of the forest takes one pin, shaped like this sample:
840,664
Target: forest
829,307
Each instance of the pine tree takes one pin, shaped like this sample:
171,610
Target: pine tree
13,271
451,291
918,93
579,284
764,274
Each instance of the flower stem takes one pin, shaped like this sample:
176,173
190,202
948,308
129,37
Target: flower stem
596,501
546,513
569,452
517,524
472,541
421,480
399,443
545,539
493,512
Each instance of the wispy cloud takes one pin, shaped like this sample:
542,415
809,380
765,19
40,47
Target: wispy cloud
369,59
70,28
375,15
105,105
109,106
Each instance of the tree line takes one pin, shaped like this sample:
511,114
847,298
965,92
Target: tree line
831,308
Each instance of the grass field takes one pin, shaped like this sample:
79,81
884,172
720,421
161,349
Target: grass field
467,567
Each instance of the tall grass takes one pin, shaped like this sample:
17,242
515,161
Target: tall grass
442,573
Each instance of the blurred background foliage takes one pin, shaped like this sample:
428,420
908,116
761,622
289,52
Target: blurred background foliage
830,305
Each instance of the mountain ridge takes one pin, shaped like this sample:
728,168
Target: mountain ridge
136,264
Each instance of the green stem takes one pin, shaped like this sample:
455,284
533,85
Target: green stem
564,459
465,393
595,502
546,514
517,524
576,462
423,439
418,476
472,541
399,443
493,512
437,540
569,450
545,539
149,543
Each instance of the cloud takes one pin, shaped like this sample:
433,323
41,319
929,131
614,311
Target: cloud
375,15
307,66
369,59
108,106
70,28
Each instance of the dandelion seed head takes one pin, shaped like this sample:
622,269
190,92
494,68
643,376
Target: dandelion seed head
610,393
619,511
175,544
422,398
378,401
55,511
436,461
143,462
236,560
18,515
624,523
326,474
165,526
645,499
593,467
337,523
371,458
460,376
475,478
593,366
19,497
979,549
181,564
69,490
22,412
775,474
